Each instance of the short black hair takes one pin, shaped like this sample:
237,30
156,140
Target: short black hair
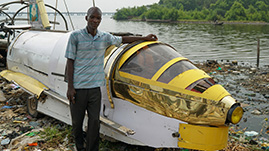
92,9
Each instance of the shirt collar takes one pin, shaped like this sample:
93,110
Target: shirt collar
98,33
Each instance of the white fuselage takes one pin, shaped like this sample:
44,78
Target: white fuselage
40,54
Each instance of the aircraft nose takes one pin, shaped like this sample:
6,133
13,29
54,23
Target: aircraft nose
235,112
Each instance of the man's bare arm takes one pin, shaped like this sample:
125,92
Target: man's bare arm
129,39
70,77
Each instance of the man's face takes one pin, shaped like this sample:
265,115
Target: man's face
94,19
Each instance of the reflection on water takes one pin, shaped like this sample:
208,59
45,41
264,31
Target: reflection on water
197,41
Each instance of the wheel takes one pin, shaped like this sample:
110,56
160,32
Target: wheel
32,106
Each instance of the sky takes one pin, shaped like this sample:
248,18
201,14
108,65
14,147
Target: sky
104,5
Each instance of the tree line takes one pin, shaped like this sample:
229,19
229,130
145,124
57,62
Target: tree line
210,10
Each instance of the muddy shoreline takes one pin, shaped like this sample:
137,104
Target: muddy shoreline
198,22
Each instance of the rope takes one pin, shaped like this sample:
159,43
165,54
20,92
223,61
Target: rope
69,15
56,5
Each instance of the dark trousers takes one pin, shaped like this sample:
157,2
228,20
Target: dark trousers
86,100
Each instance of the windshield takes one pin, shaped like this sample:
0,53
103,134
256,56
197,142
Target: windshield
174,70
149,59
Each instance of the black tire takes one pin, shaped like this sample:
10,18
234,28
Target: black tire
32,107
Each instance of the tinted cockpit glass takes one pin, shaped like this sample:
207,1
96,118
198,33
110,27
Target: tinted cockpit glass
201,85
174,70
149,59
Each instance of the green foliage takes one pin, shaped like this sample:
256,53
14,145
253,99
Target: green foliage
122,14
253,14
237,12
154,14
127,13
231,10
55,135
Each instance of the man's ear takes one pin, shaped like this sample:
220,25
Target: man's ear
86,18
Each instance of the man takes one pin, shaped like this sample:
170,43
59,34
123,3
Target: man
85,59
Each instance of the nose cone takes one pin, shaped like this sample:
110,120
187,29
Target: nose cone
235,112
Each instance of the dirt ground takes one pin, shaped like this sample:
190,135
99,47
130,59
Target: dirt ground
249,85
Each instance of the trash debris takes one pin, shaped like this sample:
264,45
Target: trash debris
7,107
34,124
32,134
23,140
219,68
5,141
212,63
251,133
33,144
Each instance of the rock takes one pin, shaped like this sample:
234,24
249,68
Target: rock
227,66
253,69
256,112
236,72
234,62
2,97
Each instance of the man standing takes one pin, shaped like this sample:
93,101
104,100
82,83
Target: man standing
85,59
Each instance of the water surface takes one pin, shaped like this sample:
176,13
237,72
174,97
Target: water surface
198,42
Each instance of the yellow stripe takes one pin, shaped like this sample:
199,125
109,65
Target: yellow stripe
188,77
131,51
24,81
167,65
216,92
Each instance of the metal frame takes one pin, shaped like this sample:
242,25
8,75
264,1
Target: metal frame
27,5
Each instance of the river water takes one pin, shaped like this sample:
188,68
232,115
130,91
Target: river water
198,42
202,41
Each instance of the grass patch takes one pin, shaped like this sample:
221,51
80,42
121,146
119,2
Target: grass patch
56,135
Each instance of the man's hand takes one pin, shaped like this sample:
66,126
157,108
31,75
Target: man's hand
151,37
129,39
71,92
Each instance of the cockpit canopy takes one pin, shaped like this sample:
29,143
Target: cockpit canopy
148,60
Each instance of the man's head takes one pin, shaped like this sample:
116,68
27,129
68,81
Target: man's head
94,17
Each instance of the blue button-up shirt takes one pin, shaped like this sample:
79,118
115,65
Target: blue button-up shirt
88,55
